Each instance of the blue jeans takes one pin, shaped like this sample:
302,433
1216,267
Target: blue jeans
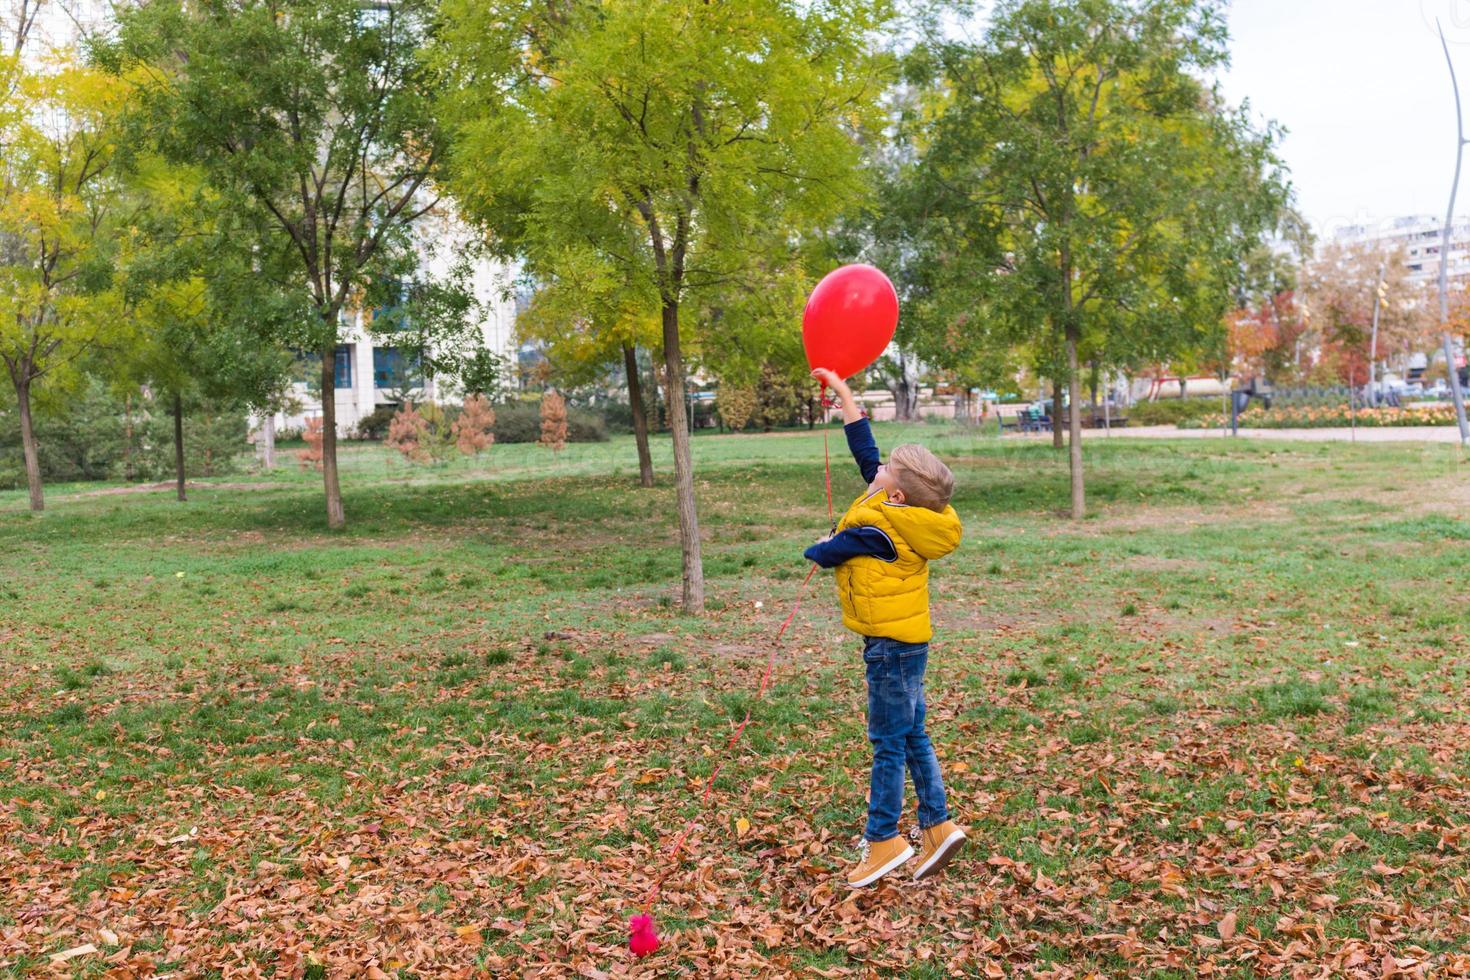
896,729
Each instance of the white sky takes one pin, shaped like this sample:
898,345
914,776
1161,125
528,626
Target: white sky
1363,89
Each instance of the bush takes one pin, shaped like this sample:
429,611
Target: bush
521,422
375,424
617,415
89,439
1173,412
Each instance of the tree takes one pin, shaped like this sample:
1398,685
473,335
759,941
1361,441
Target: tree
666,139
58,225
1114,191
408,433
482,372
182,278
553,421
736,405
313,120
311,456
1341,283
472,429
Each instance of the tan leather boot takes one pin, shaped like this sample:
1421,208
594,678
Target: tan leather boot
877,860
937,845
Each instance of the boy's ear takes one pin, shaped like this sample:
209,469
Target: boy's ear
896,495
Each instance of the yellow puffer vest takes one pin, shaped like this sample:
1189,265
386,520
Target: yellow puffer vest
891,598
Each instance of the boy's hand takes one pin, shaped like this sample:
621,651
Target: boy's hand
830,379
850,410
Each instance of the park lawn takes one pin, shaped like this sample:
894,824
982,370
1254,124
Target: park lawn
1220,726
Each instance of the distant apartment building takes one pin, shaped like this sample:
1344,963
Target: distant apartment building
1421,239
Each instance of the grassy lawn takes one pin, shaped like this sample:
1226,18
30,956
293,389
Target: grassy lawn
1219,727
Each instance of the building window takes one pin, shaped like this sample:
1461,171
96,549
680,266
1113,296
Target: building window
343,372
308,367
392,370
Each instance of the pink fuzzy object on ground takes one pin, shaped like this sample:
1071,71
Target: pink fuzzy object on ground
642,940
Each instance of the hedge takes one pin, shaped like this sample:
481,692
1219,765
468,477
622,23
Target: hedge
1175,411
1328,417
521,422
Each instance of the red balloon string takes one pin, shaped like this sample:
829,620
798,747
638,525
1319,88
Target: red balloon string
827,457
709,783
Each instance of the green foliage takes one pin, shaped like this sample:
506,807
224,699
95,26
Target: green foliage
253,93
87,438
374,425
482,372
668,153
1339,416
1101,197
736,405
313,125
60,222
612,162
520,422
81,441
1172,411
780,397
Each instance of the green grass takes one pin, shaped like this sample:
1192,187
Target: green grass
483,695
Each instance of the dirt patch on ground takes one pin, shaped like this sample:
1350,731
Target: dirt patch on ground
1154,518
170,485
1155,563
1447,495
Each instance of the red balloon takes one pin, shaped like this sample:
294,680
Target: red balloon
849,319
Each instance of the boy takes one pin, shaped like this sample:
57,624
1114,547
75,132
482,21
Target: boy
881,550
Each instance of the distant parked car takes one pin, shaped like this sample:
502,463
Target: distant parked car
1437,390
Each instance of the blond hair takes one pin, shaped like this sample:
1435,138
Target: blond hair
924,480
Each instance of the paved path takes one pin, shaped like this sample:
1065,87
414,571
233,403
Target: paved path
1408,433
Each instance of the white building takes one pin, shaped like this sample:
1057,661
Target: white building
1420,238
370,370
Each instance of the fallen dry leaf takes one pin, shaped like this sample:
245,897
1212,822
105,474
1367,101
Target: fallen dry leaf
73,953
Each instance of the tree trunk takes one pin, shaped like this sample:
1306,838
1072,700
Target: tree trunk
1074,426
1056,414
693,598
335,516
208,449
269,434
655,386
28,443
640,416
179,441
128,437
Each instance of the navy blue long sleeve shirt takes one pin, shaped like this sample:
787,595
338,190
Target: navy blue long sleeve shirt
856,541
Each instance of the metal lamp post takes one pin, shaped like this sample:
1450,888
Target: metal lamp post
1378,296
1444,251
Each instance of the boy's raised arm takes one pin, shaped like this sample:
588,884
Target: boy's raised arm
859,437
